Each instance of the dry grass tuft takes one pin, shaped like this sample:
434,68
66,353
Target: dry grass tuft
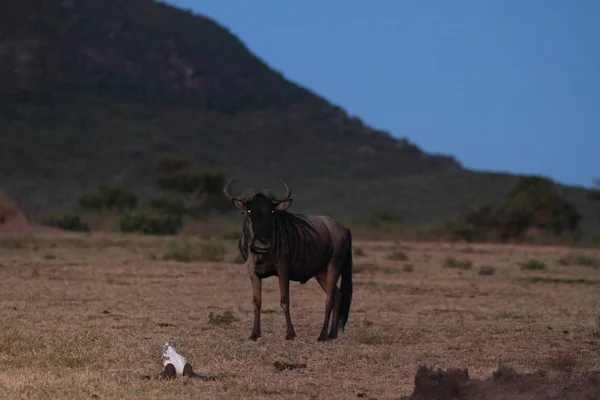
533,265
564,361
397,255
195,251
487,270
596,328
362,267
451,262
359,252
566,281
579,259
13,242
374,267
237,259
221,319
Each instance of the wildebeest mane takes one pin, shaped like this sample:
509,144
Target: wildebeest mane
293,238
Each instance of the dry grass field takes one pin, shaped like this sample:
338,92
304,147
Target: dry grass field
86,317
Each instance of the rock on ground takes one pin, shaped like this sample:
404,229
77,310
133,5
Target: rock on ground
504,384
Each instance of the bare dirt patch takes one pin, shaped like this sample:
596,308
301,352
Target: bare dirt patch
86,316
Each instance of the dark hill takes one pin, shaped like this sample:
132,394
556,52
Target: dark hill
93,90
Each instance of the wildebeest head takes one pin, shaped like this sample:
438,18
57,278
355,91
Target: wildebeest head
261,208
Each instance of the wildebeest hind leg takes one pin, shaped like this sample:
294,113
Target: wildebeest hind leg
321,277
333,333
328,281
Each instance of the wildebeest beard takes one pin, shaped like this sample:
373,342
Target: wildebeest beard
261,246
262,220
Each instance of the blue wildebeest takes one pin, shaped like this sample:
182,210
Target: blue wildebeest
294,247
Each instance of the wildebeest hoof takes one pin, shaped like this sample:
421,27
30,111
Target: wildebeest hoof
290,336
332,336
322,338
254,337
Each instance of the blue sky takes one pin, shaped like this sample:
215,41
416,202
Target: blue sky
503,85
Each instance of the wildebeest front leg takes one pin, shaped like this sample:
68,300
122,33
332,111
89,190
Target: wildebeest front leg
256,301
284,289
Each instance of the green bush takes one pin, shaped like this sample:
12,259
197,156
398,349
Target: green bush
110,195
132,222
118,196
69,223
534,202
169,205
92,201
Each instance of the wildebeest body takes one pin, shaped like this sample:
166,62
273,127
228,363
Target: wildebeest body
294,247
322,238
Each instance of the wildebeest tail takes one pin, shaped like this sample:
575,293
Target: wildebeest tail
346,285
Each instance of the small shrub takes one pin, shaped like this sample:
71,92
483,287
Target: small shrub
221,319
13,243
359,252
451,262
384,216
163,225
563,361
110,195
168,205
579,259
233,235
587,261
238,259
118,196
397,255
533,265
49,257
92,201
364,267
566,281
133,222
596,329
182,255
195,252
387,269
408,268
69,223
487,270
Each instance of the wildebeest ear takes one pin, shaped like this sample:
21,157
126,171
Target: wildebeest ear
239,204
283,205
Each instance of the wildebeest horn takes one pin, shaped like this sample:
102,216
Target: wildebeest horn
226,189
288,192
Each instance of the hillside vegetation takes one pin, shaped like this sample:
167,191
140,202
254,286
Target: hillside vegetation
98,90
